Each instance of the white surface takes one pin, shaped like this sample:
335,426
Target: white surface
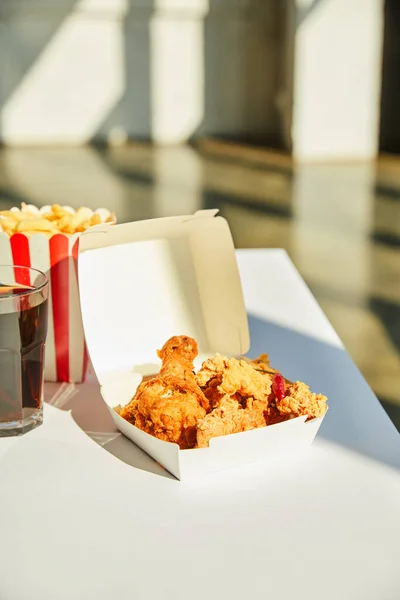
337,79
64,50
76,523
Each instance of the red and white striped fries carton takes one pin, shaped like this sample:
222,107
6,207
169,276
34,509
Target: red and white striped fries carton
66,357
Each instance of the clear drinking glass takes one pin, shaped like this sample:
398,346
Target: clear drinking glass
23,328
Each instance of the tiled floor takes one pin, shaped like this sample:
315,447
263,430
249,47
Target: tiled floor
339,223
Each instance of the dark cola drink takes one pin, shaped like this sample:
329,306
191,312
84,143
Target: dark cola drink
23,329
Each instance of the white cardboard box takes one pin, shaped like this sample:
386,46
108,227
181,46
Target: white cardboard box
143,282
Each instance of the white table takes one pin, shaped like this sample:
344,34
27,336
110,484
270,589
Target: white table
78,523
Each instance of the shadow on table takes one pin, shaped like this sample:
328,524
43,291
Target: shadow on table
121,447
356,419
91,415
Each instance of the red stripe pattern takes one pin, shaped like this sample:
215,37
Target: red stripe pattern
62,259
21,257
59,260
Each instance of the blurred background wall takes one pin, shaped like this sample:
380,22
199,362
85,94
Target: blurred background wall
166,70
298,75
337,78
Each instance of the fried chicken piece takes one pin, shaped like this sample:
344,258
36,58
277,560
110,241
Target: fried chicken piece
170,405
220,376
226,396
229,417
299,400
293,400
238,394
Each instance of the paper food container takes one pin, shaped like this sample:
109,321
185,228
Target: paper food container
141,283
66,357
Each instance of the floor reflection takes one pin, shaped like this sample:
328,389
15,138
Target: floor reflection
340,224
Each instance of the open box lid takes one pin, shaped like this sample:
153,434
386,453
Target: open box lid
143,282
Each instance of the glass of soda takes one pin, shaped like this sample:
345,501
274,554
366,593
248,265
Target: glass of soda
23,328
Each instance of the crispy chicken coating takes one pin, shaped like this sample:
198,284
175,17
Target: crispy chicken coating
229,376
170,405
238,394
228,417
299,400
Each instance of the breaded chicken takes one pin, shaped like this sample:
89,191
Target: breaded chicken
220,376
299,400
170,405
229,417
226,396
238,394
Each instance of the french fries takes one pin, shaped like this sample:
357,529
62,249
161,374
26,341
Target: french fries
50,220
